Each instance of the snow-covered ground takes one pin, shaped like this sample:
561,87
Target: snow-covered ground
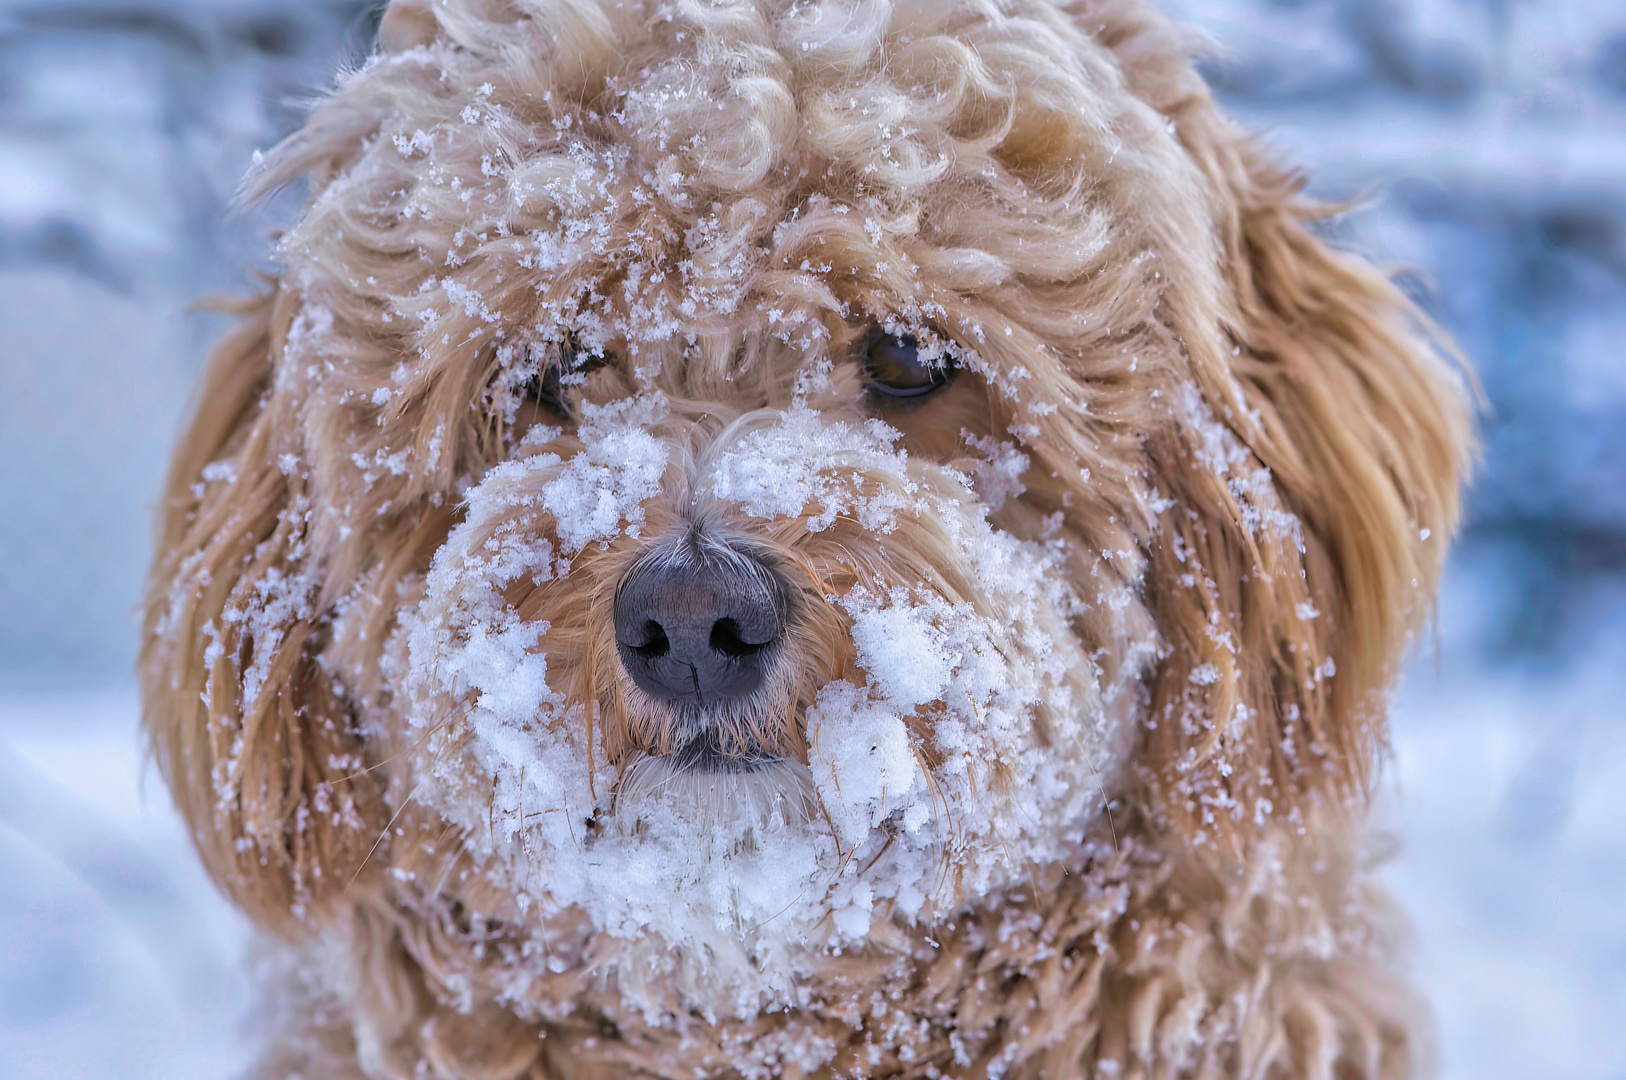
1489,139
117,957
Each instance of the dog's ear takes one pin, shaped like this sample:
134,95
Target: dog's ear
1288,596
251,735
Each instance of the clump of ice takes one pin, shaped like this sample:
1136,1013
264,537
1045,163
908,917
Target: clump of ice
799,461
975,739
903,652
862,759
601,491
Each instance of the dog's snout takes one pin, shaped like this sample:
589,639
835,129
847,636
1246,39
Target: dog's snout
699,622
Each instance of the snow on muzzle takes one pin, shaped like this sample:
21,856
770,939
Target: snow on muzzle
922,724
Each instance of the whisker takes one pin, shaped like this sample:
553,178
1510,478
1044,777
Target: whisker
386,831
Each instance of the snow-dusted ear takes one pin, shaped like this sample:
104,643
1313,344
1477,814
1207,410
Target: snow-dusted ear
1314,473
259,750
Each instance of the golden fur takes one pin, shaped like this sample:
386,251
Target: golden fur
1251,442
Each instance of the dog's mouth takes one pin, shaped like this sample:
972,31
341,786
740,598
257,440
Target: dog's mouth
705,789
705,753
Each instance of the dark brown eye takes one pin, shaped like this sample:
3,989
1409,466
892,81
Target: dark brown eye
895,373
548,387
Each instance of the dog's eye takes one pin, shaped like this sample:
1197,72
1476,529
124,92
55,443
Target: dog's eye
897,376
548,387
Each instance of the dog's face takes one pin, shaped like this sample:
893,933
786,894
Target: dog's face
753,479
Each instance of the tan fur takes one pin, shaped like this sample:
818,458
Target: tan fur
1149,312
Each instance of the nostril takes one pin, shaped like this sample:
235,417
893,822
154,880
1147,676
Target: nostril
726,639
656,644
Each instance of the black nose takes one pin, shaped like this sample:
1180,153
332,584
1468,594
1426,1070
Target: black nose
699,621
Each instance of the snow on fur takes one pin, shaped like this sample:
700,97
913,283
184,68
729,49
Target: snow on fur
750,890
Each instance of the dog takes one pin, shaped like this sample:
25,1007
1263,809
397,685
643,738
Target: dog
805,538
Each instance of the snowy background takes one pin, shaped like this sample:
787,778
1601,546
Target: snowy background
1487,141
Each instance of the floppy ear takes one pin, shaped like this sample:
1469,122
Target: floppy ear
1288,596
260,752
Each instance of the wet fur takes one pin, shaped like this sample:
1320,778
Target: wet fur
1068,197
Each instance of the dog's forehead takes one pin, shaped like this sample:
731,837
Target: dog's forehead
796,258
715,185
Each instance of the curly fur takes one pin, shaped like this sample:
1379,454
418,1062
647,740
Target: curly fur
1244,447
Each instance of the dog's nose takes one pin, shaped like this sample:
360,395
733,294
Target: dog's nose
699,622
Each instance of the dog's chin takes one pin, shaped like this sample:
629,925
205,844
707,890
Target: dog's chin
737,797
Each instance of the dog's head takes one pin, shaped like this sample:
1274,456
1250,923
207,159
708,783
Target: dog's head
749,477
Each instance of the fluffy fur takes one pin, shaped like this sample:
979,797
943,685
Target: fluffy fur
1219,461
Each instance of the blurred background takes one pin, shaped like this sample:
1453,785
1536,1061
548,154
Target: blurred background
1485,141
